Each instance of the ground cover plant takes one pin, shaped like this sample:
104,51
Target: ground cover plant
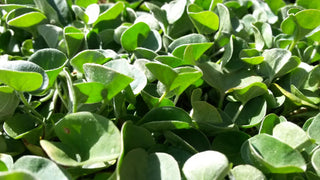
183,89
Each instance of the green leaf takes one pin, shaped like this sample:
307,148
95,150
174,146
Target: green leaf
292,135
315,161
247,93
83,136
21,125
206,22
166,114
307,19
113,81
251,113
251,56
177,79
90,92
51,34
51,60
277,62
89,56
164,73
186,40
40,167
9,102
296,100
174,10
134,35
7,161
259,151
224,20
243,172
57,11
313,129
269,122
204,112
17,175
109,17
148,166
191,140
192,52
229,143
85,3
74,40
25,17
23,76
207,164
122,66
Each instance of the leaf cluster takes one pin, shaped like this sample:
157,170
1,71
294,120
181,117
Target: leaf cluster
182,89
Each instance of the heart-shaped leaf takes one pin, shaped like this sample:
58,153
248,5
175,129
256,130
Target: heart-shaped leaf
23,76
206,22
134,35
83,136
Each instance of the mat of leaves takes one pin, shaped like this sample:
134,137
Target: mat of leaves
199,89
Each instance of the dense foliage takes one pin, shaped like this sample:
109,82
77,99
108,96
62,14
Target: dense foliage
183,89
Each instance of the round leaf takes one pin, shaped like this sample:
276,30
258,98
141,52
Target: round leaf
315,161
83,136
23,76
131,38
208,165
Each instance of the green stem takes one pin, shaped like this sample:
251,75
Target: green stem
60,95
72,94
235,117
292,45
162,98
47,97
221,101
53,103
176,99
37,116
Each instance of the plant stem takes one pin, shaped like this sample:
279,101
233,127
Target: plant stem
235,117
162,97
53,103
37,116
292,45
176,99
60,95
72,95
